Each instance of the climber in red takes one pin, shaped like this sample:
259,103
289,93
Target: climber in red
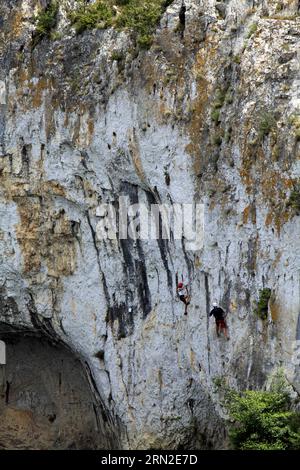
183,293
220,318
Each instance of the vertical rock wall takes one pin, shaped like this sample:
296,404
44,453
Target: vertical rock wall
210,116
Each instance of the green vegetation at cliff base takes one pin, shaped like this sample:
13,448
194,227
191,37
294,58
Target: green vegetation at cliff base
263,420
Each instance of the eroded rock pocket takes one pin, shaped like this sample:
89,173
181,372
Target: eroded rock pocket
46,401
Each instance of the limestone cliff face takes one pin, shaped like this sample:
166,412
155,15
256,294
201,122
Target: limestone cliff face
212,116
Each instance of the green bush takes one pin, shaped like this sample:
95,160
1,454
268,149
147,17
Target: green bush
46,20
294,200
220,98
140,16
219,382
217,139
262,304
266,124
218,103
117,55
215,115
95,15
263,421
252,30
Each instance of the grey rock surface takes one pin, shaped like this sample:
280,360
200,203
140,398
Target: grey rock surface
211,117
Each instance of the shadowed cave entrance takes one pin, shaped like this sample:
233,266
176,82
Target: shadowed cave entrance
46,400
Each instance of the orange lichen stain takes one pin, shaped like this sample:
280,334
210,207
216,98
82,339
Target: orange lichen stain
164,76
247,180
269,183
288,183
22,78
207,62
273,191
53,187
134,149
220,195
246,213
151,71
199,106
76,130
37,91
50,125
90,127
274,310
44,235
253,214
17,24
165,111
28,232
32,93
193,360
269,219
280,220
66,120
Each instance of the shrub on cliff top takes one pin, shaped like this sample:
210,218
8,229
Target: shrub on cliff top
140,16
96,15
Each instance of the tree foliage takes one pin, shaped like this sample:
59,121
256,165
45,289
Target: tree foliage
263,421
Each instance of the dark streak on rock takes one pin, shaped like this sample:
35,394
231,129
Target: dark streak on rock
7,393
163,246
40,324
207,297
